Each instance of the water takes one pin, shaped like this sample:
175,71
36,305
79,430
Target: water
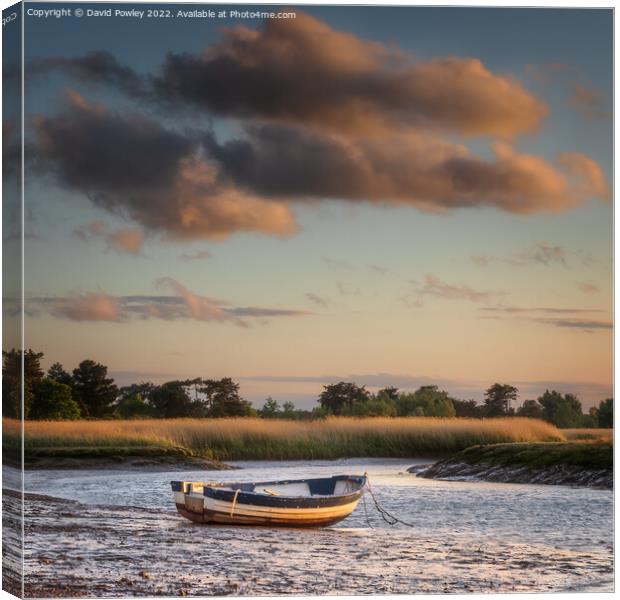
466,536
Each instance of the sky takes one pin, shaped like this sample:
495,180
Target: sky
392,196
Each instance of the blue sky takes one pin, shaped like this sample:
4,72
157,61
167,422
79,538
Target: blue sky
377,288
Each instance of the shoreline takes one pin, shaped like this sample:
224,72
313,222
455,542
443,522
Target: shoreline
576,464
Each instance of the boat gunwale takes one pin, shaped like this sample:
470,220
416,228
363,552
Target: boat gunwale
230,493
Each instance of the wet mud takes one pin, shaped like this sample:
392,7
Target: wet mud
88,550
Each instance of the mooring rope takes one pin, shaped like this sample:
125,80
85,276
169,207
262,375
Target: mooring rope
388,517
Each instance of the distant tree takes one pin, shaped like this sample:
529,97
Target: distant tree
498,399
53,401
562,410
12,380
467,408
57,373
171,400
531,409
223,399
427,401
133,407
143,389
606,413
390,392
270,409
94,392
590,420
337,398
288,407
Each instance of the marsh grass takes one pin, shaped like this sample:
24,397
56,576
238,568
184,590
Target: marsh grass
260,439
603,435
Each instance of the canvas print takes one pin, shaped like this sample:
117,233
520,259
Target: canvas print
306,300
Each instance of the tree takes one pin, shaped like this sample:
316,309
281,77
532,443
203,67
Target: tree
562,410
171,400
606,413
497,400
94,392
376,406
53,401
427,401
12,380
143,389
133,407
339,397
390,392
531,409
223,399
466,408
57,373
270,409
288,407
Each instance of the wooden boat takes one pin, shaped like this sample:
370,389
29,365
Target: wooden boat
293,503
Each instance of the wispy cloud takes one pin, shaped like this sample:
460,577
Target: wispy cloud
582,97
587,287
566,318
322,301
542,253
338,264
433,286
378,269
197,255
348,289
181,304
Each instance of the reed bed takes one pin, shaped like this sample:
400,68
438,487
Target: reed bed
602,435
260,439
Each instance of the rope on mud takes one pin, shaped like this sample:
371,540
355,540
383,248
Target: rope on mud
388,517
366,511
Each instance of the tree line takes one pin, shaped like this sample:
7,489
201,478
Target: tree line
88,392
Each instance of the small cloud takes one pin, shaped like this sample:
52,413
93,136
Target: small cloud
88,307
321,301
545,254
481,261
378,269
587,287
253,311
129,241
585,324
555,316
347,289
198,255
412,301
588,101
433,286
336,263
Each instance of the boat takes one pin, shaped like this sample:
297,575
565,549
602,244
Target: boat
292,503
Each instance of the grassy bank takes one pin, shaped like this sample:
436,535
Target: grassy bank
259,439
587,455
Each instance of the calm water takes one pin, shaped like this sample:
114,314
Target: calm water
466,536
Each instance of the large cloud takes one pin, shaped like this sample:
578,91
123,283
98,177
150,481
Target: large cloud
321,115
410,168
303,71
155,176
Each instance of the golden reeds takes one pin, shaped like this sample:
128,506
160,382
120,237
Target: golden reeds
253,438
